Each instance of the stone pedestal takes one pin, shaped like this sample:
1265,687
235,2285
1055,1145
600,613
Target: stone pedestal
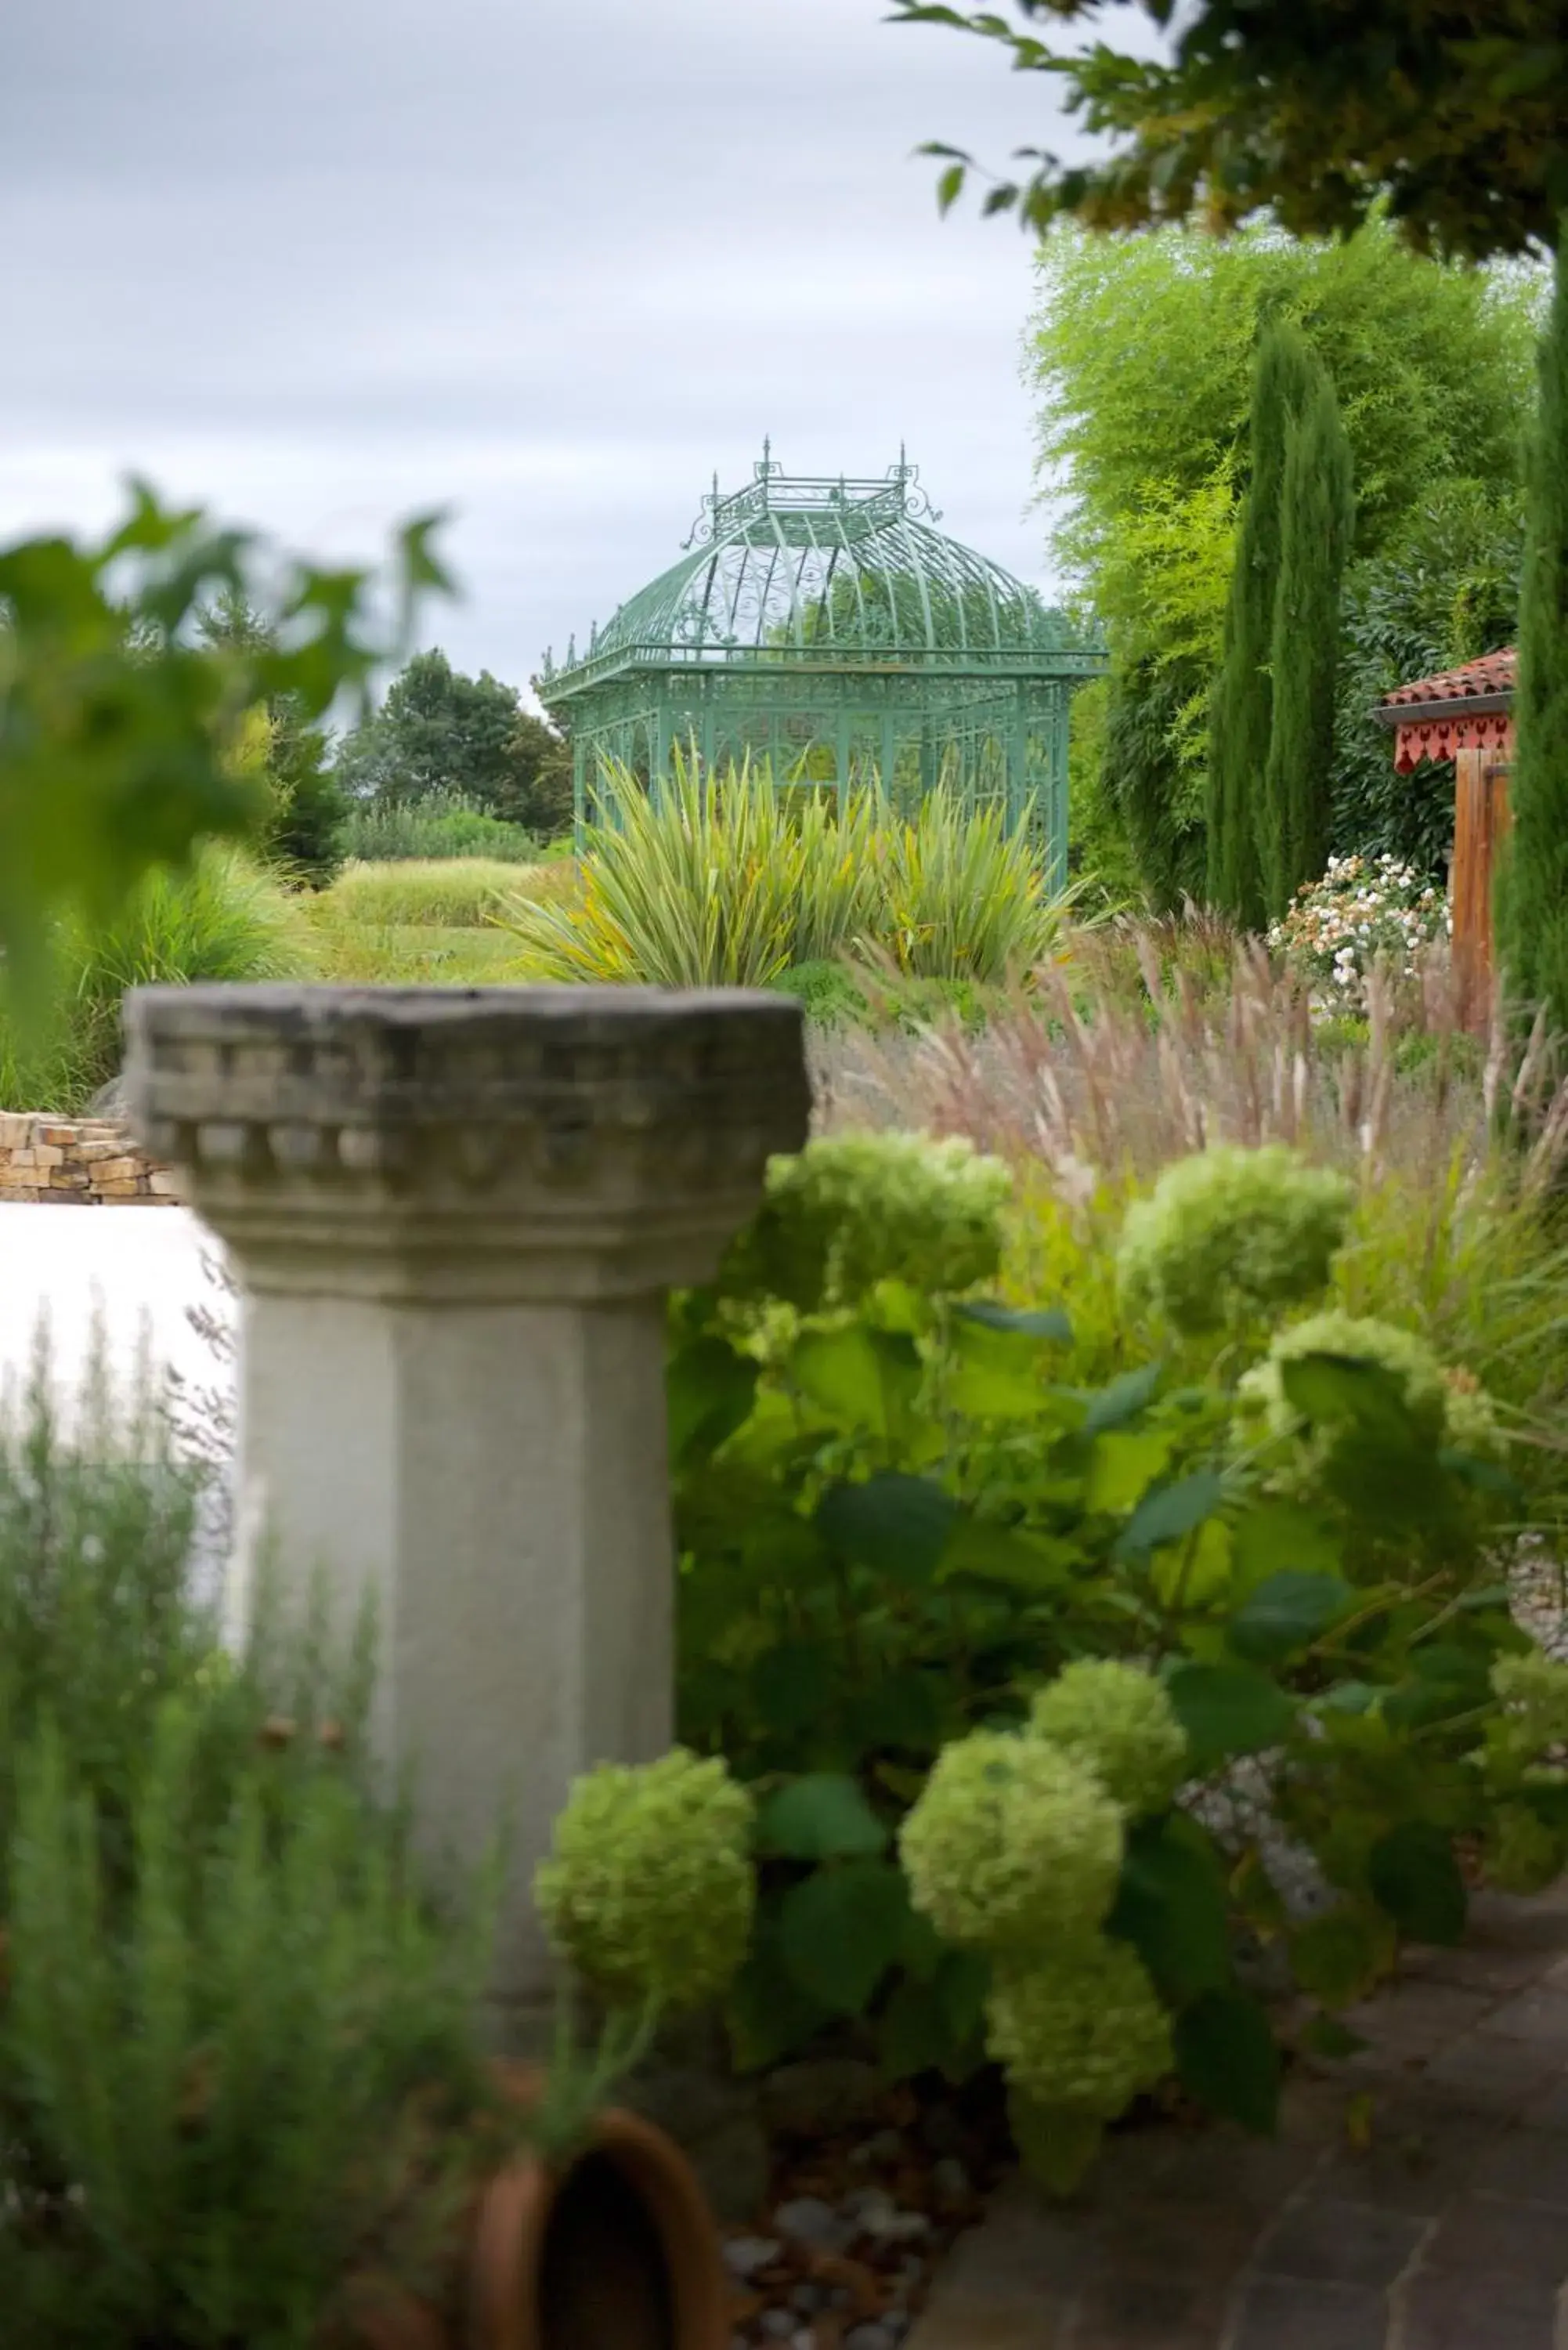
454,1218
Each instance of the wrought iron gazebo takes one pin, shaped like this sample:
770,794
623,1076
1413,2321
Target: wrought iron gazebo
830,627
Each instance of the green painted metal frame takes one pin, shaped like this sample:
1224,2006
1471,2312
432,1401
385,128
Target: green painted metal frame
830,626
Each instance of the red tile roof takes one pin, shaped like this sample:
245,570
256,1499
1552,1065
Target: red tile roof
1493,673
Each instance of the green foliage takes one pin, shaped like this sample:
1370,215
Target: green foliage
441,732
379,954
1532,881
1099,852
1146,351
717,881
941,1600
1229,1234
307,806
226,917
649,1889
730,880
1317,517
256,2074
97,1625
454,893
1317,114
117,730
1116,1721
1157,796
237,2060
441,824
1240,849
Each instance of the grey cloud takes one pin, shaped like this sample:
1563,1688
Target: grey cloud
322,262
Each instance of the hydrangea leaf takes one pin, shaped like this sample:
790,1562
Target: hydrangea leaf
860,1376
1228,1710
841,1929
1287,1613
895,1524
1279,1537
1123,1400
1415,1879
1048,1321
1226,2055
822,1817
709,1390
1171,1907
1171,1511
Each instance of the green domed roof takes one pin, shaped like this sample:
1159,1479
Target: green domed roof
832,574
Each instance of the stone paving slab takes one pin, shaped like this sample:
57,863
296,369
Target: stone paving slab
1440,2223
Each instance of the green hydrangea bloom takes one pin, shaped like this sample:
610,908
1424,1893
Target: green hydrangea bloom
1524,1855
1011,1842
1231,1234
1448,1408
1116,1720
650,1887
850,1211
1082,2031
1532,1690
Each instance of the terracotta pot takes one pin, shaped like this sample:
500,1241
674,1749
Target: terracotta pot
614,2251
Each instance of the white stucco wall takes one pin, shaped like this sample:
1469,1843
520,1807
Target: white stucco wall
137,1267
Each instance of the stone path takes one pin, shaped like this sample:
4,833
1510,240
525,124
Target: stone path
1416,2198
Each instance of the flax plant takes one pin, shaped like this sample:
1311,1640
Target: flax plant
712,881
728,880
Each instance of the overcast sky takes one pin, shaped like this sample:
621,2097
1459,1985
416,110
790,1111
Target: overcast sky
322,263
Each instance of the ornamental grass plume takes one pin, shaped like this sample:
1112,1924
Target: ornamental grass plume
1116,1720
1012,1844
1231,1234
650,1889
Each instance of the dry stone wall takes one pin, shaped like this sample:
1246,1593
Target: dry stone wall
77,1162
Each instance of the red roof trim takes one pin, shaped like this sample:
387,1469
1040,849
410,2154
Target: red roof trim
1439,738
1493,674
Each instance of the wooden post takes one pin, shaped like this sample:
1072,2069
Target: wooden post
1480,823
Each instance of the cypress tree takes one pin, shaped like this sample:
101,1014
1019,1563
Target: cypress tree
1243,700
1317,519
1533,882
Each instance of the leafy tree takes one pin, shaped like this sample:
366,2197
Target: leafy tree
116,727
1144,357
1244,697
441,731
1532,894
1317,516
308,803
1159,805
1454,110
